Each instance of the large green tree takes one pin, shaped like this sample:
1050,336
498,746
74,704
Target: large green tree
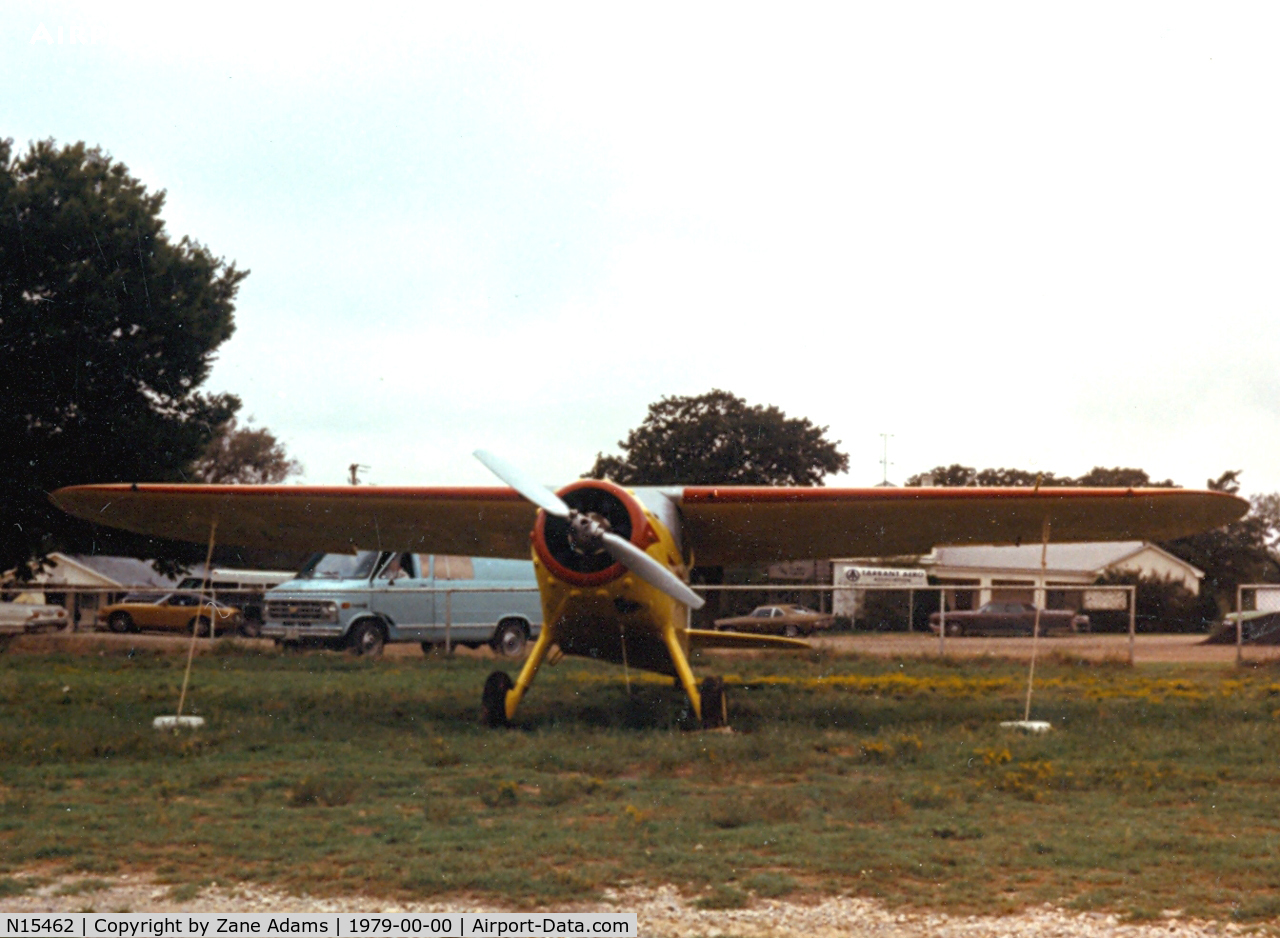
108,328
717,438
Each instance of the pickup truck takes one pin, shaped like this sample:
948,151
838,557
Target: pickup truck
361,601
1009,618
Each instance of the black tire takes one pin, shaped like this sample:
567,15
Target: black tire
493,702
714,714
199,625
251,629
791,630
367,640
120,622
510,638
428,648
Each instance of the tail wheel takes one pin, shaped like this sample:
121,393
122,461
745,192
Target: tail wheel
120,622
714,711
493,703
367,640
509,640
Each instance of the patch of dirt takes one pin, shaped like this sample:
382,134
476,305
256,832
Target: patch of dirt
662,912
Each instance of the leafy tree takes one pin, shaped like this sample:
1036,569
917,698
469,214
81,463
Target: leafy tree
1097,477
1161,604
716,438
1233,554
245,455
107,329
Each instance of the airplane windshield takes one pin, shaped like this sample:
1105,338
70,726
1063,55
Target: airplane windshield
340,566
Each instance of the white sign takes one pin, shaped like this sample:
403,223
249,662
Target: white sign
1099,600
1267,600
879,577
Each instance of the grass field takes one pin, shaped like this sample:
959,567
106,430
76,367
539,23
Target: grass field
1157,788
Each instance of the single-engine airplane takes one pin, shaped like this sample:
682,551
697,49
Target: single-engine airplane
612,564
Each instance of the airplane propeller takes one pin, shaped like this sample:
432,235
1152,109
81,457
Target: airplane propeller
590,533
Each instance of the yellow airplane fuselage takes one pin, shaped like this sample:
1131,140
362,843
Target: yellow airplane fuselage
621,619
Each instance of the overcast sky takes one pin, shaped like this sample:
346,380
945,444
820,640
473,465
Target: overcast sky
1034,235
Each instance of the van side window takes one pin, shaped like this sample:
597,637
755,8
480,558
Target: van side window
454,568
398,567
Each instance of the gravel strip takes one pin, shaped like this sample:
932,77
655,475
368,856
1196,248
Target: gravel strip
662,912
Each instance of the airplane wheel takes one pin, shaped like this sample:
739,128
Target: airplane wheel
493,704
120,622
714,714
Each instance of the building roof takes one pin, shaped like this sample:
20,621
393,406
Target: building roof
125,572
1089,558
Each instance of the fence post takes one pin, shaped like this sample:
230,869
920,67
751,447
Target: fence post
942,621
1133,618
448,622
1239,625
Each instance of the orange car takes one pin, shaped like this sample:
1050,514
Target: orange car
169,611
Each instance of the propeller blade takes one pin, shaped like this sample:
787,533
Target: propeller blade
536,492
649,570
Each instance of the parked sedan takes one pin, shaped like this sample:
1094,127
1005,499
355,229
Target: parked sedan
787,619
168,611
19,618
1009,618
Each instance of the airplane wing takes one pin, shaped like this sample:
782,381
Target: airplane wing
705,638
743,524
729,524
479,522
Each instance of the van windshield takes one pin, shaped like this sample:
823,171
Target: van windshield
340,566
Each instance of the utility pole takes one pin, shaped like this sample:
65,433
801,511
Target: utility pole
355,469
884,459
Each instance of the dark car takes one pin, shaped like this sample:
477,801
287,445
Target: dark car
1009,618
784,619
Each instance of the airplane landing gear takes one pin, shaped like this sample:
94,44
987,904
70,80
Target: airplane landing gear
715,713
493,703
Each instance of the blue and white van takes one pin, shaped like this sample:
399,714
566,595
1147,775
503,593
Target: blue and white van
361,601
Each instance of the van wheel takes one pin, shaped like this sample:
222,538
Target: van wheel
366,640
493,703
509,640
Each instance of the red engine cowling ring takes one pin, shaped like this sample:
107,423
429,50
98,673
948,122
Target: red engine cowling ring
619,507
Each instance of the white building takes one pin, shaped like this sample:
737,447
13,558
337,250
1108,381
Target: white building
1012,573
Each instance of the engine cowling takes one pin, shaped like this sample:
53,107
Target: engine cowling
610,503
